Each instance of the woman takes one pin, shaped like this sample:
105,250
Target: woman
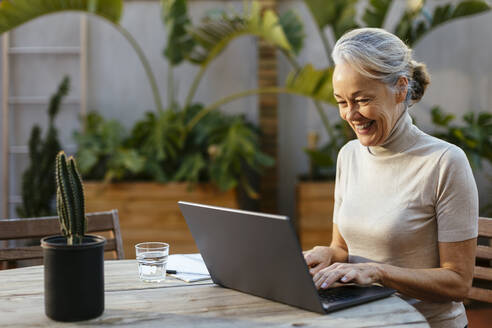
406,203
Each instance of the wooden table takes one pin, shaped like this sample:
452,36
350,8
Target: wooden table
174,303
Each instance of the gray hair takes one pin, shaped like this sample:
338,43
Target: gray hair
378,54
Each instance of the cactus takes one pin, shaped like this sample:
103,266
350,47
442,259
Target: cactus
70,199
38,183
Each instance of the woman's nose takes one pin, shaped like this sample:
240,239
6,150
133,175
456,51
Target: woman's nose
352,111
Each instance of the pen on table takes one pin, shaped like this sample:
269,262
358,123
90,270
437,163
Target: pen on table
178,272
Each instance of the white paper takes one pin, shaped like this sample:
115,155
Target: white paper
189,267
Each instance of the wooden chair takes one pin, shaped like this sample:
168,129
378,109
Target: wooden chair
105,224
482,276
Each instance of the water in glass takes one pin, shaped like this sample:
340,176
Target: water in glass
152,266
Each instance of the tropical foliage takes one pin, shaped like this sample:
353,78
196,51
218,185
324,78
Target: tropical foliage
186,142
339,16
474,136
103,152
202,44
190,142
323,159
218,149
193,142
17,12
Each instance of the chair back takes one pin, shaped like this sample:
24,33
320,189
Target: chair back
105,224
482,275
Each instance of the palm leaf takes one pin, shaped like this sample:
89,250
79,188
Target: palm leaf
293,29
417,22
216,32
375,13
405,29
467,8
17,12
179,41
313,83
322,11
339,14
440,118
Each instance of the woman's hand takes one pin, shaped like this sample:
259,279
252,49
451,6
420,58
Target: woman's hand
318,258
321,257
360,273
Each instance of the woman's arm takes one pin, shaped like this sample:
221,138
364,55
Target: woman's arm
321,257
451,281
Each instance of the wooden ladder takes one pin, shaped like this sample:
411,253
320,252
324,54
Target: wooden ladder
10,152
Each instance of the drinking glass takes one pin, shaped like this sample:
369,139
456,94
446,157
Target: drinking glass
152,261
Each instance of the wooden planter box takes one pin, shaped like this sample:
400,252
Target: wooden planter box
149,211
315,202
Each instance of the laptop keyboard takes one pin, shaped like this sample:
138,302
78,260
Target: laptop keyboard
338,294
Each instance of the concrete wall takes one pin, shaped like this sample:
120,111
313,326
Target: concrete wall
457,55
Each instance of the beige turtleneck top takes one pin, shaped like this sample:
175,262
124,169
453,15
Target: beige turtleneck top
395,202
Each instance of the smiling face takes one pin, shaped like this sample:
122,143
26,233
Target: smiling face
368,105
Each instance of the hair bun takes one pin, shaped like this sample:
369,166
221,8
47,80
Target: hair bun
421,79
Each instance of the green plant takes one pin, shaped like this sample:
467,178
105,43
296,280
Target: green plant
70,199
340,15
202,44
323,159
474,136
219,149
38,183
103,153
193,142
158,133
163,135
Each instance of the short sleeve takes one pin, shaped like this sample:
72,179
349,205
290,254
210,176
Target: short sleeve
456,198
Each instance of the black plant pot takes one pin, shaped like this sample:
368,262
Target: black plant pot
73,278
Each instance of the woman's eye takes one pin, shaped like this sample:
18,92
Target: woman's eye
363,100
341,103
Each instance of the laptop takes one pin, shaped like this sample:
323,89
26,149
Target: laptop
259,254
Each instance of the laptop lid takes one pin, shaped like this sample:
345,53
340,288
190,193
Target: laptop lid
259,254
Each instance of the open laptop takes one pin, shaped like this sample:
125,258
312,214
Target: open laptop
259,254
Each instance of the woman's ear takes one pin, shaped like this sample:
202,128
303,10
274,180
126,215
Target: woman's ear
401,89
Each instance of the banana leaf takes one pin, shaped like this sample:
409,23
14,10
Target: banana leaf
293,29
14,13
375,13
179,41
312,83
339,14
417,21
216,32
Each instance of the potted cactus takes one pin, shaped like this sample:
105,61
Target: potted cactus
73,261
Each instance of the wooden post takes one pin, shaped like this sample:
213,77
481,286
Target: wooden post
5,136
83,68
5,125
268,119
